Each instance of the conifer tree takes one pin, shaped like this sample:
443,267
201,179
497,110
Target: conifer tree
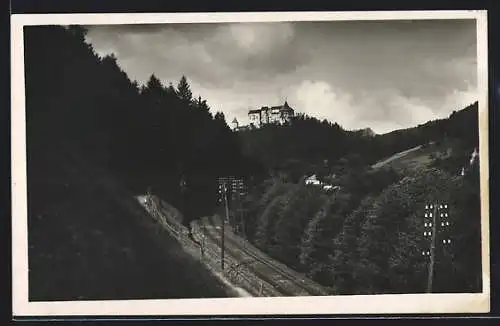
184,90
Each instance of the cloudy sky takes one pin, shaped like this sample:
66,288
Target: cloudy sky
384,75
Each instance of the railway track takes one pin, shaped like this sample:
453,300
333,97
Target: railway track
262,284
236,272
245,265
302,280
287,283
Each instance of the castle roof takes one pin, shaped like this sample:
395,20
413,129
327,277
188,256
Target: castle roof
285,107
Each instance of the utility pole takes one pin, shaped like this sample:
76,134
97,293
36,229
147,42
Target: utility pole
431,224
241,228
223,226
430,272
230,191
238,192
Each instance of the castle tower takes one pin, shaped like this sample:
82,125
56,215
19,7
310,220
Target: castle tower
235,124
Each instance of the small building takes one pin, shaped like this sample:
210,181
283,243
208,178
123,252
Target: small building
328,187
235,124
313,180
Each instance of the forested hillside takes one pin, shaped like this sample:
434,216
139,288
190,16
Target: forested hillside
95,139
367,236
309,145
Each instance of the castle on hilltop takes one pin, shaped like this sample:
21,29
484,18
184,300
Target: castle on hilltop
266,115
281,114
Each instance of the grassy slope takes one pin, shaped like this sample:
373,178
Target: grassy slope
89,239
449,132
413,158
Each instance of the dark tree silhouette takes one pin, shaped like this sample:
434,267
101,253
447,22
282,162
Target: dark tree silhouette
184,90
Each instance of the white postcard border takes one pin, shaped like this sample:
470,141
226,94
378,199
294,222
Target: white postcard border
353,304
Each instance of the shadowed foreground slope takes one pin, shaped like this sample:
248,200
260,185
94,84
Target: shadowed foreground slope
89,239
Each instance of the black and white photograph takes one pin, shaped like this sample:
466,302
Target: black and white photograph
271,163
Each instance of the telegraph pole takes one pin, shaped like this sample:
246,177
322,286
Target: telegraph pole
431,224
229,186
430,273
223,226
241,229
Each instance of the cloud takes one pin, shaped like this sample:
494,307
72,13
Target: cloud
382,110
321,100
258,39
383,75
459,99
225,53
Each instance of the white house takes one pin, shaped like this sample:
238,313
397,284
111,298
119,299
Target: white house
313,180
331,188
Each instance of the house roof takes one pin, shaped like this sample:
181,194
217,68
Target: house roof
253,111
